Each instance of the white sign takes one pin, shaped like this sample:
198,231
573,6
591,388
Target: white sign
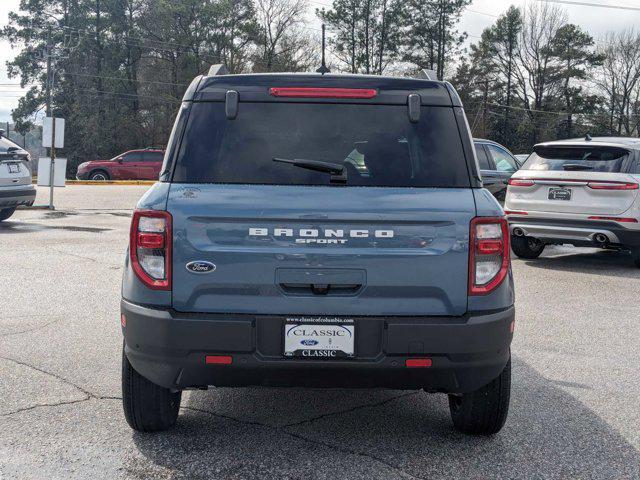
47,132
44,169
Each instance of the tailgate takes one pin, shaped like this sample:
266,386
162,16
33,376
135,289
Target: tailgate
594,193
13,172
321,250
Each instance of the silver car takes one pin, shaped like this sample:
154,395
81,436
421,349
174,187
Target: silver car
15,178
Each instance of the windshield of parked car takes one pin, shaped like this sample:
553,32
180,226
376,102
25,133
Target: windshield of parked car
569,158
376,144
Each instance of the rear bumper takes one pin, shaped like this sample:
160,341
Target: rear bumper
14,196
576,232
169,349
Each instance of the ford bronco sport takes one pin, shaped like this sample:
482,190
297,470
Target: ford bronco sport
322,231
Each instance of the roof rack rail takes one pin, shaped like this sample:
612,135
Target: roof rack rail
218,69
426,74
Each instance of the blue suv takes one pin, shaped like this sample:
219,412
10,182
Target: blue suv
318,231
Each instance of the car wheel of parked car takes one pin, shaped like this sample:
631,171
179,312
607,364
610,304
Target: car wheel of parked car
527,247
99,176
147,407
484,411
6,213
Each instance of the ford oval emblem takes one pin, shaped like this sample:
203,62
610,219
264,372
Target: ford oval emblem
200,266
309,343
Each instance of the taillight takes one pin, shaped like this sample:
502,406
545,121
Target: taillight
150,248
307,92
489,259
612,186
521,182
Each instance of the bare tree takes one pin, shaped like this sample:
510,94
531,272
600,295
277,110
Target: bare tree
538,77
619,79
284,42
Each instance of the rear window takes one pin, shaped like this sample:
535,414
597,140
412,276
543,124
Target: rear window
6,144
592,159
377,144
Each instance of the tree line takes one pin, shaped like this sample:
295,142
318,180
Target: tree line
533,76
120,67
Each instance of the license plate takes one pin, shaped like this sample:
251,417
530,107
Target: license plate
319,338
14,167
559,194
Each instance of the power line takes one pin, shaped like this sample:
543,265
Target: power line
126,95
11,94
590,4
482,13
124,79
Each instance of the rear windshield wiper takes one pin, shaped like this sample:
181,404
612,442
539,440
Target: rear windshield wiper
576,166
316,165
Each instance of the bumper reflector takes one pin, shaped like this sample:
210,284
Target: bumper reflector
218,359
418,363
514,212
123,320
616,219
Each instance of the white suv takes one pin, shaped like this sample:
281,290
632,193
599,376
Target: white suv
15,178
580,192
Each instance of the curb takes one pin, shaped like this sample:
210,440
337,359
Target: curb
108,182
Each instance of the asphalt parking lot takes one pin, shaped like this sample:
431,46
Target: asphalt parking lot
575,411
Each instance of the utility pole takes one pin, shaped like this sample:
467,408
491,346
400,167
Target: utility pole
48,86
52,150
485,109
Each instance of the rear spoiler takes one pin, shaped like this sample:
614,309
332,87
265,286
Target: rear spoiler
555,150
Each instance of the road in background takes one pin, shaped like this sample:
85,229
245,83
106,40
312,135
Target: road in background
574,410
93,197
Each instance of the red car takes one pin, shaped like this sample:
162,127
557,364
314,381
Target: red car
132,165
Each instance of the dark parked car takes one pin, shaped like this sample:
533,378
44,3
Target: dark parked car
132,165
497,164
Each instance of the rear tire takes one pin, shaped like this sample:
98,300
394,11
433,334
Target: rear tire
147,407
484,411
6,213
527,247
99,176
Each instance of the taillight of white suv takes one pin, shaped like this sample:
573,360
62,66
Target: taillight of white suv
489,260
150,248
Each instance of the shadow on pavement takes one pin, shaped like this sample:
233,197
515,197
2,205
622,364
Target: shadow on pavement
595,262
8,227
239,433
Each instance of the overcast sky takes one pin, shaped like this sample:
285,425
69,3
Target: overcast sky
478,16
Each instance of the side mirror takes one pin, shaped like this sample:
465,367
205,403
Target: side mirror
120,159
